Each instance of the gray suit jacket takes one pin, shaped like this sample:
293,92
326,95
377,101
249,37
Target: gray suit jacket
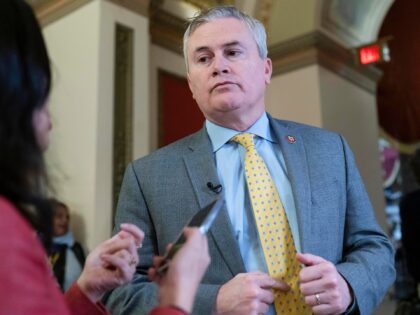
336,221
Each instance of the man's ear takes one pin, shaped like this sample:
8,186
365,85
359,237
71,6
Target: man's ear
190,85
268,70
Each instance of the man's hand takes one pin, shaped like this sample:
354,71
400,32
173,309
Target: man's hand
322,286
247,293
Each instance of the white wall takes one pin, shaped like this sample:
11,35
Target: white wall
81,47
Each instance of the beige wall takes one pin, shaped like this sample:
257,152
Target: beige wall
292,18
81,47
318,97
296,96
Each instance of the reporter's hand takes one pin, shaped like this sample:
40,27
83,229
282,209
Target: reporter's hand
179,285
320,277
248,293
112,263
129,230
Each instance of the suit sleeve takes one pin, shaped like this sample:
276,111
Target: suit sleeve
368,257
141,296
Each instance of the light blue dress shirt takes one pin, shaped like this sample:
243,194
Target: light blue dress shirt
230,158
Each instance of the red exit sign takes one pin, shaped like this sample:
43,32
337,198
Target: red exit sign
373,53
370,54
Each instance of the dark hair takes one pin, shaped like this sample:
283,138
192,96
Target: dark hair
25,78
55,204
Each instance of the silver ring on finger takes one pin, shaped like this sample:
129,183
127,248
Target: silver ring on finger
317,299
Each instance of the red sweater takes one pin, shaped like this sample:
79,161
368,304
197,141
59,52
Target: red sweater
27,285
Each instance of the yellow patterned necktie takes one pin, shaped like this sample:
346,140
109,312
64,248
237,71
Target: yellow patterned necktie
273,229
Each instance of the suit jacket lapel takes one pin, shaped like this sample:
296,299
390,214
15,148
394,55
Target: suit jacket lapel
297,168
201,168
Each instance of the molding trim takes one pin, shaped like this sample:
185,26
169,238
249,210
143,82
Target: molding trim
166,30
137,6
123,105
263,12
317,48
203,4
50,11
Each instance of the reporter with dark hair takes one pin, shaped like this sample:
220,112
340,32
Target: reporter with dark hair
27,285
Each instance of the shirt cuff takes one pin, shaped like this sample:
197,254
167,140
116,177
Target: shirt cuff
352,308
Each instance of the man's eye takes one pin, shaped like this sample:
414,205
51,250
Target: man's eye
233,53
203,59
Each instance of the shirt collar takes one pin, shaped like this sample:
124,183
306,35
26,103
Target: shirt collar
220,135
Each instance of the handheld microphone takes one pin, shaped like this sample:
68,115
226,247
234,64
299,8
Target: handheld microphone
214,188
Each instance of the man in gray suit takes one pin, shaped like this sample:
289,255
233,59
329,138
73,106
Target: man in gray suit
348,261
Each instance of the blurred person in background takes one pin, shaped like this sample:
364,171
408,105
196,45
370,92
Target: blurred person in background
410,224
67,256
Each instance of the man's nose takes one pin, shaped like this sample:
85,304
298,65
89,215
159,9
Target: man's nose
220,66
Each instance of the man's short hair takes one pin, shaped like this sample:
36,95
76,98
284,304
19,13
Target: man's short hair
256,27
